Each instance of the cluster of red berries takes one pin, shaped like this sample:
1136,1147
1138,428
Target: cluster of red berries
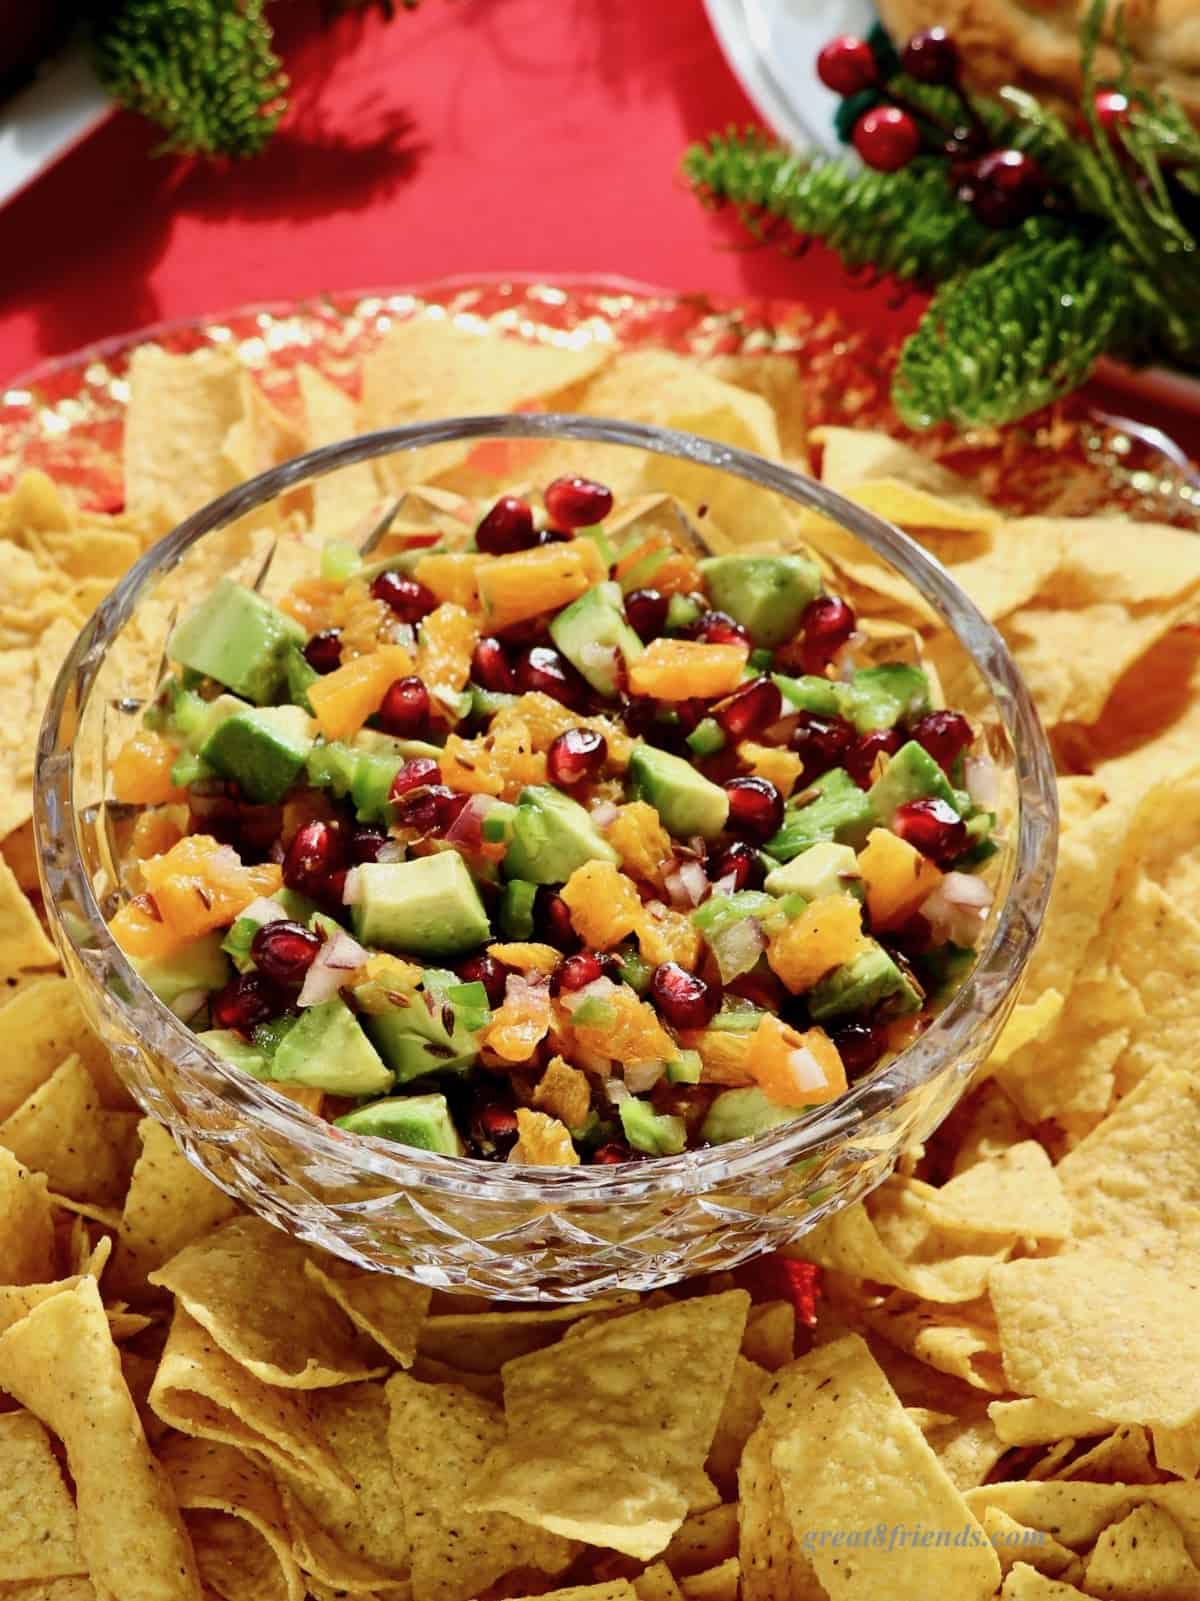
1002,186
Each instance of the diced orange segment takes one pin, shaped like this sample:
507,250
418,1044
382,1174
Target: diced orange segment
632,1032
679,669
142,770
605,907
451,576
514,588
312,1100
154,833
501,762
344,699
725,1057
794,1069
141,932
665,935
363,621
520,1025
897,878
543,1141
640,840
678,575
446,640
199,884
564,1092
527,957
827,933
544,719
312,603
781,767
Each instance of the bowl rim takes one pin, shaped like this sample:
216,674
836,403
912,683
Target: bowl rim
994,978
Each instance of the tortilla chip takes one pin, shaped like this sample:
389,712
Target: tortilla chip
983,1126
1122,1458
656,1583
387,1308
722,1583
130,1532
1025,1583
777,379
169,1204
1026,1024
39,1029
738,1420
38,1525
770,1337
61,1130
1013,1542
960,1339
237,1563
440,1437
245,1283
853,456
704,1540
342,499
488,1385
967,1447
849,1458
219,1479
26,1224
570,1436
1075,1511
179,412
772,1562
1148,730
1032,1421
482,1342
1109,1337
78,1589
200,1390
1142,1558
1017,1194
23,944
615,1590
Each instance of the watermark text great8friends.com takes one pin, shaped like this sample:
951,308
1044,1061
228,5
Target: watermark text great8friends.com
915,1536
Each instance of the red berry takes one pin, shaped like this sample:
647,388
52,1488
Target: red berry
316,853
683,998
931,56
886,138
750,709
485,970
405,708
826,623
933,826
860,762
409,599
945,735
1004,188
755,808
860,1045
366,844
284,951
646,610
577,971
847,65
431,810
543,669
244,1002
739,860
415,774
612,1154
577,502
1112,109
717,628
491,668
324,650
576,754
506,528
552,920
822,742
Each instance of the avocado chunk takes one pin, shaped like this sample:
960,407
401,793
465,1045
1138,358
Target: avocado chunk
328,1050
230,1045
686,801
199,965
823,869
863,983
438,1031
595,638
838,809
196,719
912,774
742,1114
419,1120
656,1133
380,744
686,1068
766,594
552,835
809,693
263,751
238,638
427,907
881,697
298,677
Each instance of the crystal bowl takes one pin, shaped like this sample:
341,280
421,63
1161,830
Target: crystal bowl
523,1233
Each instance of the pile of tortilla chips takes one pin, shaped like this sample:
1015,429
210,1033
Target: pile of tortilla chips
1000,1395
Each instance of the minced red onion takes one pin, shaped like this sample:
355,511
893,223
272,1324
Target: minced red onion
352,888
642,1076
957,908
982,781
337,957
467,827
737,948
695,881
598,989
186,1006
726,885
395,850
264,911
807,1072
617,1091
605,813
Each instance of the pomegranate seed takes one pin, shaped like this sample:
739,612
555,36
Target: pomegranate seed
555,536
612,1154
576,971
485,970
684,999
576,754
577,502
755,807
316,853
431,809
646,611
405,708
933,826
494,1129
822,742
506,528
860,762
491,668
739,861
409,599
944,735
415,774
545,670
860,1045
765,992
827,624
366,844
324,650
245,1002
913,938
552,919
750,709
284,951
717,628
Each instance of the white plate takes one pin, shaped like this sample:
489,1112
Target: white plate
41,123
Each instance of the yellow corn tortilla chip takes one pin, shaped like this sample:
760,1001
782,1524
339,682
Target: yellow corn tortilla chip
342,499
777,379
1142,1558
52,1590
616,1590
1026,1024
245,1283
236,1563
26,1224
722,1583
849,1458
47,1023
1032,1421
703,1541
1025,1583
1075,1511
770,1337
488,1385
38,1524
1013,1543
1095,564
852,456
200,1390
169,1203
738,1420
1016,1193
325,1558
772,1562
387,1308
62,1130
1122,1458
1109,1337
569,1435
656,1584
967,1447
206,1476
179,412
1148,731
23,945
960,1339
482,1342
129,1527
440,1439
983,1126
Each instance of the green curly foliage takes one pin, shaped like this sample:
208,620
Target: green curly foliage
204,70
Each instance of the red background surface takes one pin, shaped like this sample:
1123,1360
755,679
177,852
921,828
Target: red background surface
472,136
